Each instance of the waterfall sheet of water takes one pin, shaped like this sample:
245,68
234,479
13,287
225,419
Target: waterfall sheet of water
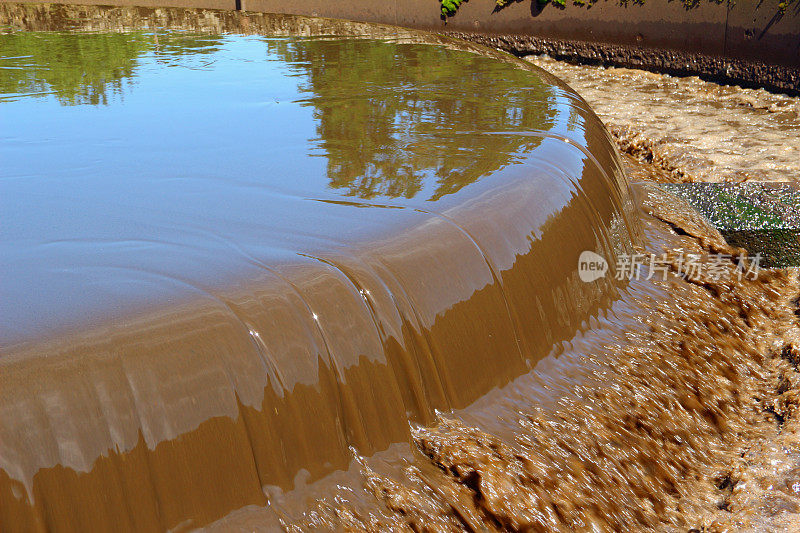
235,247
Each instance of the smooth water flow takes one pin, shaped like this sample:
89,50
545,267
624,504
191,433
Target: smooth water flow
227,258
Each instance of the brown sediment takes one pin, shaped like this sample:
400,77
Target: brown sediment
660,165
760,486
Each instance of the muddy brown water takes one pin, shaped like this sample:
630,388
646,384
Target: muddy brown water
690,129
236,248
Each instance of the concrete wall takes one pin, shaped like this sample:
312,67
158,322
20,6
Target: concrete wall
744,29
755,31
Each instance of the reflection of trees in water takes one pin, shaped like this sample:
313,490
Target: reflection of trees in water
394,116
85,68
80,68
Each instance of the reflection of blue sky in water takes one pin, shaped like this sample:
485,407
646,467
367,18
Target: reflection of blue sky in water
391,120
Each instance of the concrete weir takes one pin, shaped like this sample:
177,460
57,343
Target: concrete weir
238,253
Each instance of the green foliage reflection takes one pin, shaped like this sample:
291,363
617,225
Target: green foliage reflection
83,67
76,68
395,117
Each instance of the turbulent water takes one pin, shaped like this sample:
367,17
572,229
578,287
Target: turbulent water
341,290
690,129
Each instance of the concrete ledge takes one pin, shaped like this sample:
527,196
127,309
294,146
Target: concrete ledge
189,4
755,31
357,10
